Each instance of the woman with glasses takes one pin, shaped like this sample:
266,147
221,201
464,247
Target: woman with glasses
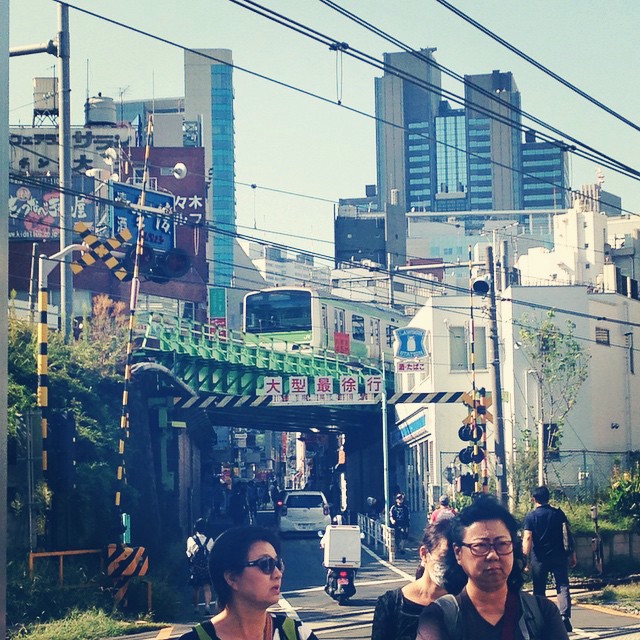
397,611
492,606
246,573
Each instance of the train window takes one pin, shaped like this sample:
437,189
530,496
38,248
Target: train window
389,334
338,320
278,311
357,328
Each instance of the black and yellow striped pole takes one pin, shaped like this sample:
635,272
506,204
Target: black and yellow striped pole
121,476
45,265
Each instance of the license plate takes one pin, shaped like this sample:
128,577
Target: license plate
343,580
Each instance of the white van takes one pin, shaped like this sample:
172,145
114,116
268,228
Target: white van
303,511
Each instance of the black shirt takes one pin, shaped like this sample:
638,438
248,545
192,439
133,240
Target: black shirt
545,523
395,617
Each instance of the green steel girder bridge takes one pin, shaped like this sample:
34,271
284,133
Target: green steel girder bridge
228,373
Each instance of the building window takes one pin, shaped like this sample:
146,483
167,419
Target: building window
460,349
602,336
357,328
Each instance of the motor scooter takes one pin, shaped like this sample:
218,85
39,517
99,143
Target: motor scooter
341,544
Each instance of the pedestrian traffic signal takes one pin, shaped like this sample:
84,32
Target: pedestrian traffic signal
465,484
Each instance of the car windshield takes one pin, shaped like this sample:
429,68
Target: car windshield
304,502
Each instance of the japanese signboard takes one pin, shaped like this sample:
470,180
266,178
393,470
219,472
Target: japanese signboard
158,228
410,342
405,366
34,210
34,150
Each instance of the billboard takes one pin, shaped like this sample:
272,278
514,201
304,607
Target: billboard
158,229
34,207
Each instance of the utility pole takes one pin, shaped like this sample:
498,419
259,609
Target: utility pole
385,445
64,146
501,480
4,302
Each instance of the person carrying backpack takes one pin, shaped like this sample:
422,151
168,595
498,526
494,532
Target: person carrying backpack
548,540
493,605
199,547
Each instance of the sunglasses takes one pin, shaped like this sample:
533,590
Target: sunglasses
267,564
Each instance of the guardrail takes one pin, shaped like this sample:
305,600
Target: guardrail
61,556
377,533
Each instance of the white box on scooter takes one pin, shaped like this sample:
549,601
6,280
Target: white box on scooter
341,544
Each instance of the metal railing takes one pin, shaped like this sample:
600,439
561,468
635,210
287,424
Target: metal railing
377,533
168,332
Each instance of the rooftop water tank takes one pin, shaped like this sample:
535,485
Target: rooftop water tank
100,111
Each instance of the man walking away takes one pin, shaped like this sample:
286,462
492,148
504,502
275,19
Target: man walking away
443,511
199,547
399,518
548,541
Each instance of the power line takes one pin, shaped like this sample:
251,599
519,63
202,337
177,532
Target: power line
323,98
426,283
313,34
537,64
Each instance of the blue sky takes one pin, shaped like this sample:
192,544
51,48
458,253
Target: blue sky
290,142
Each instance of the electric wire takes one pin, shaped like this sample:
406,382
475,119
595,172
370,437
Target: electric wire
307,31
536,64
313,95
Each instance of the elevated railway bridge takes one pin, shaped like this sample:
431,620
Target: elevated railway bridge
238,382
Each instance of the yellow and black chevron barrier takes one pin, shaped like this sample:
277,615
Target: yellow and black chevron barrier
124,563
100,250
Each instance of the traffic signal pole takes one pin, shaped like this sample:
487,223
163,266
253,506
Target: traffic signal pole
501,480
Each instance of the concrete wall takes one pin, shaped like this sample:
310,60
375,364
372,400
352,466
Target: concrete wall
616,546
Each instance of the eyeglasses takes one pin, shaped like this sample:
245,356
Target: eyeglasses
267,564
481,549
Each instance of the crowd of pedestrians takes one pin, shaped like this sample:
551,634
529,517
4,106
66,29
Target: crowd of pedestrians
468,585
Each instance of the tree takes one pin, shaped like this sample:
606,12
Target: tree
560,367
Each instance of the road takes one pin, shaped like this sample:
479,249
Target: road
303,596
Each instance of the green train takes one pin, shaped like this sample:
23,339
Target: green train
300,317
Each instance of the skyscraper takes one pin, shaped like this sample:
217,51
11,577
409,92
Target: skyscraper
208,83
435,157
494,145
405,147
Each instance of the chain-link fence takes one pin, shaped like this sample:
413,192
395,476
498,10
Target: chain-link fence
582,474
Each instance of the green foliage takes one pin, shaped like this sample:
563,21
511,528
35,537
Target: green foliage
523,473
624,495
83,625
84,377
560,367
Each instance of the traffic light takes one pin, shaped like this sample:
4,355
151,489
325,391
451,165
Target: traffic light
62,450
481,285
158,266
465,484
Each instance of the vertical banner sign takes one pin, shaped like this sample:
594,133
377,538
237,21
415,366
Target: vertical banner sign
218,310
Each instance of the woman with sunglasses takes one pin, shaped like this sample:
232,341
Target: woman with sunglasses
246,573
397,611
492,606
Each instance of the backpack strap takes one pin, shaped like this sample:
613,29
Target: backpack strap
286,626
451,615
289,628
531,616
202,631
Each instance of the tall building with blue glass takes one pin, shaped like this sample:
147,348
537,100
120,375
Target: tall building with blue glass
209,97
434,157
545,175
